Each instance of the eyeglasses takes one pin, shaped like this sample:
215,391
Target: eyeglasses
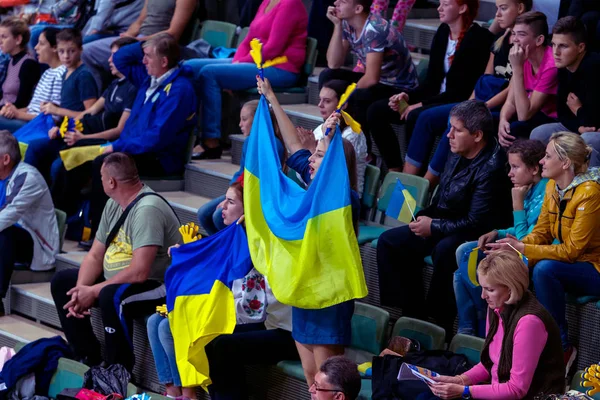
318,389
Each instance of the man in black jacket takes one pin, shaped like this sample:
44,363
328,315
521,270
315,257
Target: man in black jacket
578,87
474,197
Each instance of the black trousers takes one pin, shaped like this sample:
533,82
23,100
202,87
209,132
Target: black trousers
400,263
16,245
522,129
68,185
379,117
361,99
228,354
119,305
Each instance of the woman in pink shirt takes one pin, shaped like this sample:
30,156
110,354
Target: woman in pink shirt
281,27
522,355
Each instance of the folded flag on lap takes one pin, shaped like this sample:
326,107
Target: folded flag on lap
35,129
303,241
76,156
199,298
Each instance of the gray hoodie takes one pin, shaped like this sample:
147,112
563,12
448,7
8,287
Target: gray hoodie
29,204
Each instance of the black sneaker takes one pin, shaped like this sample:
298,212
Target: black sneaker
209,154
86,245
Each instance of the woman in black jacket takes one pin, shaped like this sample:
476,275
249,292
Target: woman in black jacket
458,57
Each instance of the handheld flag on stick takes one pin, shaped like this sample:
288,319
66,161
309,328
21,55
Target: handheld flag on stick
256,54
199,298
356,128
303,241
402,205
521,255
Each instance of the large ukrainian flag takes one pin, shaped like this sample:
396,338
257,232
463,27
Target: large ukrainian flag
199,298
303,241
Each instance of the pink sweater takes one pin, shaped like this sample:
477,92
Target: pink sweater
282,32
529,341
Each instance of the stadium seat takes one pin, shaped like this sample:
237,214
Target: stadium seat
369,328
470,346
574,299
372,176
242,35
61,221
422,69
218,33
369,324
293,175
576,385
431,336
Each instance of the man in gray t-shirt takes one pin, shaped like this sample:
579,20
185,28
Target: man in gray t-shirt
123,278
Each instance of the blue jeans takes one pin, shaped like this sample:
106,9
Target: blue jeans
41,154
210,217
11,125
97,36
551,279
471,307
214,75
163,349
430,124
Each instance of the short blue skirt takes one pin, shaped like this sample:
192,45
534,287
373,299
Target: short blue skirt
328,326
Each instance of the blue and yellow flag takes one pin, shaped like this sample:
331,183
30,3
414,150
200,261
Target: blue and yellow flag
468,266
303,241
35,129
76,156
199,298
402,205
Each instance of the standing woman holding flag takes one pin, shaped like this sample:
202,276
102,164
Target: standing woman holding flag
570,216
319,333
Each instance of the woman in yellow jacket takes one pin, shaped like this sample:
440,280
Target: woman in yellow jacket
564,246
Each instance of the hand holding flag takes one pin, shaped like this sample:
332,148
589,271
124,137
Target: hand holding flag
355,126
256,54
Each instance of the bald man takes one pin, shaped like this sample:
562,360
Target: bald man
124,271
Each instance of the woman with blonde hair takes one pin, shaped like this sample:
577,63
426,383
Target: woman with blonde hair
564,246
522,354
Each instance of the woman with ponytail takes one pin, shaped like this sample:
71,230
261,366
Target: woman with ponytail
458,57
564,247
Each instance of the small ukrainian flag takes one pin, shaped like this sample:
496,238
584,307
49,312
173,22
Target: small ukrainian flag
402,205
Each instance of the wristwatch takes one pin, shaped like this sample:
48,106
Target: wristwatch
466,393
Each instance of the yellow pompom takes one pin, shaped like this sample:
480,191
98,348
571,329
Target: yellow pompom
256,52
591,379
189,232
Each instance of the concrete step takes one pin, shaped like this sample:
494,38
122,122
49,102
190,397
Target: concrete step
15,329
72,259
35,301
237,144
209,178
304,115
186,205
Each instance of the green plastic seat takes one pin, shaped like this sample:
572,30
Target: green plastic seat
293,175
68,374
574,299
374,243
366,389
431,336
369,325
368,233
428,261
470,346
241,36
372,176
576,385
61,221
422,67
218,33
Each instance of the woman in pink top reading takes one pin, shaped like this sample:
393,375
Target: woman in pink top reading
522,355
281,26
